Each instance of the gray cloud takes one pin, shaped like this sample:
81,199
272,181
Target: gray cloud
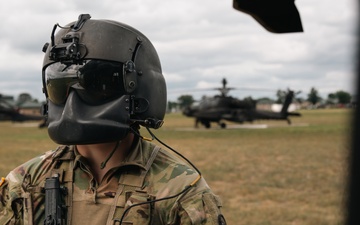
199,43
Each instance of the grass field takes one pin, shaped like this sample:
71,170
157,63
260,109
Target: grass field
280,175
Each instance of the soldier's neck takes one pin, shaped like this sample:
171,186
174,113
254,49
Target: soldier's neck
109,155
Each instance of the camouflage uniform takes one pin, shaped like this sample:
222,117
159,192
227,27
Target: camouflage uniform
148,173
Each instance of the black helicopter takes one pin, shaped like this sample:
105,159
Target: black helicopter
224,107
8,112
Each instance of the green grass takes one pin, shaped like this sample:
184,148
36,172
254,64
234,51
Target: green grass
283,175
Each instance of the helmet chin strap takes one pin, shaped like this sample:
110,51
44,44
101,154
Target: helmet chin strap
103,164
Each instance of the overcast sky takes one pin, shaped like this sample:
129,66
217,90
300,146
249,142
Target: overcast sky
199,42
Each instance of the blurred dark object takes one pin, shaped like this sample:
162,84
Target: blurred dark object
353,201
280,16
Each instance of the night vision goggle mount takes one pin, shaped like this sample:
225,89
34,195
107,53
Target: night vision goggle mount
70,51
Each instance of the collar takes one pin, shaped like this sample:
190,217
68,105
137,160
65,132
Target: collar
138,155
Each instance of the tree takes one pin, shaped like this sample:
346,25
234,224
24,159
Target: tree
313,96
340,97
332,99
185,100
23,97
343,97
172,105
280,94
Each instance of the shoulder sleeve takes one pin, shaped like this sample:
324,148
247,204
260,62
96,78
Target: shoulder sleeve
202,208
11,191
170,175
10,203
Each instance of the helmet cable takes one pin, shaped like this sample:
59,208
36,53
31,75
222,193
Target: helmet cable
169,147
186,189
103,164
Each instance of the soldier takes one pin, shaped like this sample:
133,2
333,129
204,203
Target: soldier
103,80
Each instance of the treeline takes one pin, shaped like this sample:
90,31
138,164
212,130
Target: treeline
313,98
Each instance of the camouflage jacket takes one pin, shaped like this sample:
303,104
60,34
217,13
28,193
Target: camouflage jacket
148,173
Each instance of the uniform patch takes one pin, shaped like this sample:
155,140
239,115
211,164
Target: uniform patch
221,220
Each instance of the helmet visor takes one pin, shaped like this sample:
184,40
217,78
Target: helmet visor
95,81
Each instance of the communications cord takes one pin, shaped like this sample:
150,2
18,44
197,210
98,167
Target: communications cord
186,189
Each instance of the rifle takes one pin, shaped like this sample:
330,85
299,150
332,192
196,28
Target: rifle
54,209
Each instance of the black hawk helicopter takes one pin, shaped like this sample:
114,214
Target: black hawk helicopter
224,107
8,112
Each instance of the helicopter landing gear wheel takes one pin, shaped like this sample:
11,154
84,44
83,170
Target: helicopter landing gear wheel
223,125
207,125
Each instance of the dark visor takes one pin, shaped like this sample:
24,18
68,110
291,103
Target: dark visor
95,81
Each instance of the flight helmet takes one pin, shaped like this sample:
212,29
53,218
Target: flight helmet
101,78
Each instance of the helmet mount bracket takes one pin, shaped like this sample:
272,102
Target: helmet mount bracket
70,51
130,72
129,76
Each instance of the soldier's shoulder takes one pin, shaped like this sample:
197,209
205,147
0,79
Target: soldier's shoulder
36,167
164,154
172,172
